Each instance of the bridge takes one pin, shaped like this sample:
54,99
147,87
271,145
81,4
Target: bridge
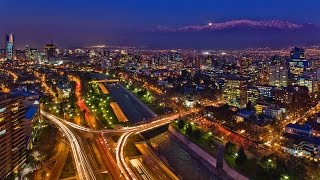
106,81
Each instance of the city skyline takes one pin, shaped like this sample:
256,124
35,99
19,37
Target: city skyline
160,90
74,24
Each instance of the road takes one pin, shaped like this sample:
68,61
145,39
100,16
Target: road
160,170
47,171
89,117
83,166
109,162
121,161
122,164
60,157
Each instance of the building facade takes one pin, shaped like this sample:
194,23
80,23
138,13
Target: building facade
235,91
278,75
297,64
13,143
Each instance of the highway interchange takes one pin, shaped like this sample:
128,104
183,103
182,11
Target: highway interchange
85,171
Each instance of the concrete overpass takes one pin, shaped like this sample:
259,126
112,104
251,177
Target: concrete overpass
106,81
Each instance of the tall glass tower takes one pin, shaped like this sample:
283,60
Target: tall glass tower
9,45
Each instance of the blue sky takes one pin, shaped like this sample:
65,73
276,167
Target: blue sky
90,21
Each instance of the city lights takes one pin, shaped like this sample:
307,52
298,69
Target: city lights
176,97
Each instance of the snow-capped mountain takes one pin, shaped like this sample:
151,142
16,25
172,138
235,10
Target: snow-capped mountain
239,24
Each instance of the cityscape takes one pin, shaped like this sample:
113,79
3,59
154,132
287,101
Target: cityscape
164,90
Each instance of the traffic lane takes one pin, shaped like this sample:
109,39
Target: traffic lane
132,109
108,159
160,170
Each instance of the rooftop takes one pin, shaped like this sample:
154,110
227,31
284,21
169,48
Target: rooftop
305,127
31,112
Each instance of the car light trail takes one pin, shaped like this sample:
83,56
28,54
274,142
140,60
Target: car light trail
84,169
121,162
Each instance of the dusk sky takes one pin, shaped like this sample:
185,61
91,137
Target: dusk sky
79,22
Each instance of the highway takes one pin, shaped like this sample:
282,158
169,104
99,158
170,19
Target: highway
83,166
160,170
122,164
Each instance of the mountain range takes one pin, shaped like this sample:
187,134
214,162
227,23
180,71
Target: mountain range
243,24
233,34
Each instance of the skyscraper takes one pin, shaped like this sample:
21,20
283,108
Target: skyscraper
13,142
297,64
10,46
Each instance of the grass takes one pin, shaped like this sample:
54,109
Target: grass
99,104
250,168
146,97
204,140
41,141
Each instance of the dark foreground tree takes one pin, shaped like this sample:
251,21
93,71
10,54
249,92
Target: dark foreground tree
242,157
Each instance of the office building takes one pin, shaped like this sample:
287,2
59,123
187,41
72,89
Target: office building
308,82
278,75
235,91
253,94
297,64
13,142
266,91
9,46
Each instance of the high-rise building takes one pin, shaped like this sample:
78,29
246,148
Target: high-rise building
13,142
297,64
9,46
50,51
278,75
235,91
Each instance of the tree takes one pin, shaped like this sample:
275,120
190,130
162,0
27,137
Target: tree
181,124
230,147
268,162
197,133
242,157
189,129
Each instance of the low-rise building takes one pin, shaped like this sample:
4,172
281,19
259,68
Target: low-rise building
64,90
299,130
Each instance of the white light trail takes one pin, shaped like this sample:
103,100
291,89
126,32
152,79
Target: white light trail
83,166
